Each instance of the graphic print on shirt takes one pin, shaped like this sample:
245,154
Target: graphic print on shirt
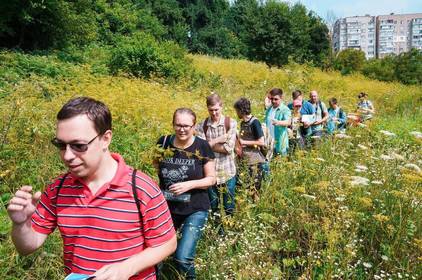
179,172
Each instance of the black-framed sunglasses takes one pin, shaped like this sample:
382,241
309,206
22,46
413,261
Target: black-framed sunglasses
76,147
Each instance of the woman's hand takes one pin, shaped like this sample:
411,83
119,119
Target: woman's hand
180,188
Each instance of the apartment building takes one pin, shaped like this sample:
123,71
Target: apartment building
394,33
378,36
416,33
357,32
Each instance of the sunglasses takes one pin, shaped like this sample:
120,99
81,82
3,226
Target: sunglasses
76,147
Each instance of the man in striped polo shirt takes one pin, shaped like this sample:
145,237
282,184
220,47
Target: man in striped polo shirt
106,232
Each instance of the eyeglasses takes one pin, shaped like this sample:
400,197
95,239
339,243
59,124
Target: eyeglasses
76,147
181,126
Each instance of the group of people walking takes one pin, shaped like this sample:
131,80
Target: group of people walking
117,223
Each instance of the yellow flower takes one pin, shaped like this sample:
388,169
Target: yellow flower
299,189
365,202
381,218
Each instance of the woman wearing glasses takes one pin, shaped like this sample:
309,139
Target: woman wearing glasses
185,174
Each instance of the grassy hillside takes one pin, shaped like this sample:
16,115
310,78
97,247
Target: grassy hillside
314,219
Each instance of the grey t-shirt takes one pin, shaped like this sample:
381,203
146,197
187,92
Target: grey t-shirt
320,109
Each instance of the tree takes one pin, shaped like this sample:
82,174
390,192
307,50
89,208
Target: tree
408,68
36,24
349,61
381,69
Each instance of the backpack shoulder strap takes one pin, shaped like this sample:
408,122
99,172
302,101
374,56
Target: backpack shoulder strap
167,141
61,184
205,127
135,195
227,123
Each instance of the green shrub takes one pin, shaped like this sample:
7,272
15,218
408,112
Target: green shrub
142,56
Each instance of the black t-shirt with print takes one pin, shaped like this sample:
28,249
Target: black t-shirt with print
185,165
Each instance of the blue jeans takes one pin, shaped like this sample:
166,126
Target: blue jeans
229,190
190,227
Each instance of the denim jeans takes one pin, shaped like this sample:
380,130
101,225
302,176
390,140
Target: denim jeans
229,190
190,228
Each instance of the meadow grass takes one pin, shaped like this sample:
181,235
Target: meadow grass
314,220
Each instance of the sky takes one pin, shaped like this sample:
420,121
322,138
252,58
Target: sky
344,8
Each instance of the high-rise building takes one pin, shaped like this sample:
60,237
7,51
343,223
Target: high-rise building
378,36
357,33
394,33
416,33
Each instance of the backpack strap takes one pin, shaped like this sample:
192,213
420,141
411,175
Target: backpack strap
60,185
135,195
320,106
205,127
227,123
167,141
138,205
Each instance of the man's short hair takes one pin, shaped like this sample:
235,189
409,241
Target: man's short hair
243,105
362,94
296,94
333,100
276,91
214,99
95,110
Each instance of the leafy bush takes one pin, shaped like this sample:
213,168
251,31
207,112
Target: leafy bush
142,56
349,61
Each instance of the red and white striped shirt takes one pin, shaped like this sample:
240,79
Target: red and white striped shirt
104,228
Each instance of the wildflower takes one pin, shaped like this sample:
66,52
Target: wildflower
416,134
308,196
413,167
363,147
367,264
299,190
366,202
381,218
386,157
384,257
361,168
388,133
340,198
376,182
397,156
357,180
342,136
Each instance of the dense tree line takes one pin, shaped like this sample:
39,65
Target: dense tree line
405,68
269,31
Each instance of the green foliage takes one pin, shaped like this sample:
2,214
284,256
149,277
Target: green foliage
269,31
142,56
38,24
380,69
409,67
349,61
406,68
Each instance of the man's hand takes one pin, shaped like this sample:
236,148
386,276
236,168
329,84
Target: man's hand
23,205
180,188
116,271
219,140
306,124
